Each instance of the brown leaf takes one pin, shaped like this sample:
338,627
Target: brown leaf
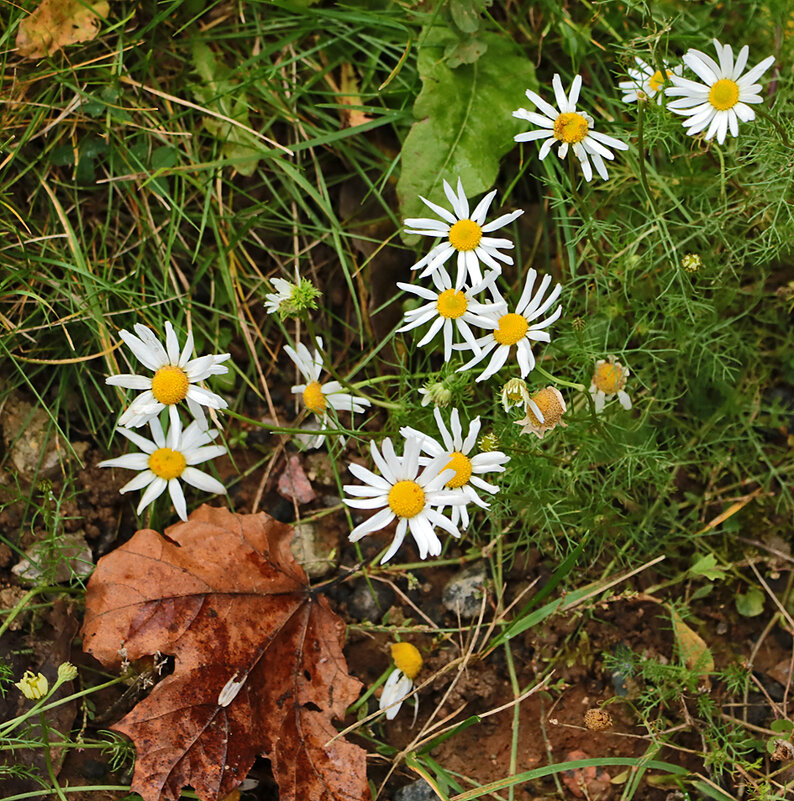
56,23
259,667
293,484
349,96
694,651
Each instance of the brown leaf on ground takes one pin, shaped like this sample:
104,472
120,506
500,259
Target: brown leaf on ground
293,483
56,23
259,667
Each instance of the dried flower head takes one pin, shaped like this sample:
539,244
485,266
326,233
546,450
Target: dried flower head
598,719
544,409
609,379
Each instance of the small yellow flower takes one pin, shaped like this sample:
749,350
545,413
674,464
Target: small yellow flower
33,685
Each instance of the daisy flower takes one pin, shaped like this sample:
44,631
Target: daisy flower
402,492
165,461
717,104
544,409
569,127
463,233
291,299
318,397
456,450
514,393
175,377
646,82
516,328
609,379
451,308
407,664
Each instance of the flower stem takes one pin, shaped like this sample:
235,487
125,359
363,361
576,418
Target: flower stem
561,381
45,733
641,147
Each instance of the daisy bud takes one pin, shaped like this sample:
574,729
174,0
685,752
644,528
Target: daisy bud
489,443
691,262
436,393
67,672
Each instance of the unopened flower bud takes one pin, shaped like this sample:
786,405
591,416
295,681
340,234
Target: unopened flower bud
691,262
67,671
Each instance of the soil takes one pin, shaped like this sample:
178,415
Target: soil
551,722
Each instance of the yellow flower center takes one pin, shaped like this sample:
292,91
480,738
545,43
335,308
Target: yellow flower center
571,128
406,499
512,328
724,94
170,384
548,401
452,304
657,79
167,463
462,466
406,658
465,235
608,377
313,398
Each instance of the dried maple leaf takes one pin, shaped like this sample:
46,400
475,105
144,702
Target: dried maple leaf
258,669
56,23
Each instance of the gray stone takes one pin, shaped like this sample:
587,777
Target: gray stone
463,593
363,605
316,546
416,791
30,439
71,555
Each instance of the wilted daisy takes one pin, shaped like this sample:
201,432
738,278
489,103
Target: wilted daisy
456,450
452,309
463,233
404,493
544,409
291,299
168,459
569,127
516,328
35,686
175,377
721,100
609,379
514,393
318,397
646,82
407,664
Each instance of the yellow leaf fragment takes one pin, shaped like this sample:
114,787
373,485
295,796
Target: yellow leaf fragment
57,23
349,96
694,651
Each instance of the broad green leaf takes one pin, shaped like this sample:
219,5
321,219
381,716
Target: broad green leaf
224,96
464,118
706,566
751,604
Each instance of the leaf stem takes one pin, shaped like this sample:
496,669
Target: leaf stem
546,374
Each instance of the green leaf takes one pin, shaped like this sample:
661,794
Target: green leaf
706,566
465,124
781,725
466,13
751,604
222,95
